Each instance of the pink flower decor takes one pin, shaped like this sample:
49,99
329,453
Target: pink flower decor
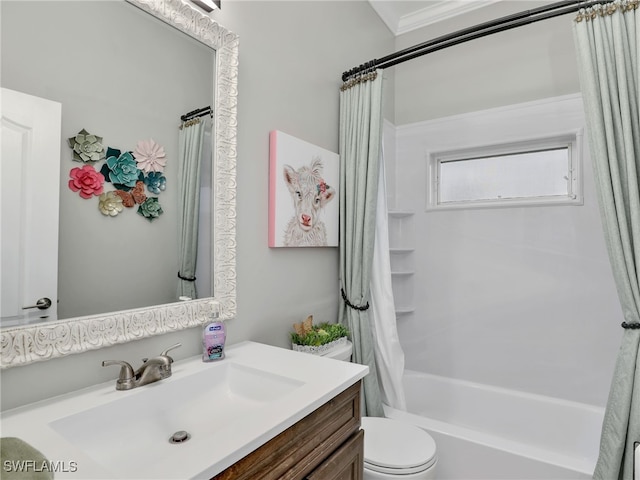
150,156
86,180
322,188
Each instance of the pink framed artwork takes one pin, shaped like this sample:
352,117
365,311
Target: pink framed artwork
303,193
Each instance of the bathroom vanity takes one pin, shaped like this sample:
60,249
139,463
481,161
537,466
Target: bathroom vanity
261,413
325,445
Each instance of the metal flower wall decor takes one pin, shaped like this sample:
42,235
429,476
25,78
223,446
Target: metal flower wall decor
129,172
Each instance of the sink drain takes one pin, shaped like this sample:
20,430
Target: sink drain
180,437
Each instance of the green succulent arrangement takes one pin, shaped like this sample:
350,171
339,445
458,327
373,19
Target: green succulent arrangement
320,334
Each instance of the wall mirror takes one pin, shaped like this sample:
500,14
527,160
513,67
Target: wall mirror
114,322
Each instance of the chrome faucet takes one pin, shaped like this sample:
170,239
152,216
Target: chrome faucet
151,370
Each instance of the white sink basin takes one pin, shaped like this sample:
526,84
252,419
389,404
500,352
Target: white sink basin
229,408
204,402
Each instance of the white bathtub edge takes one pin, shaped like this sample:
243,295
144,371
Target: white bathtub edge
580,465
509,391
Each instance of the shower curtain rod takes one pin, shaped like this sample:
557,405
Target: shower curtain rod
494,26
200,112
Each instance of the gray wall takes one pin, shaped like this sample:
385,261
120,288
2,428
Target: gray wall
292,55
527,63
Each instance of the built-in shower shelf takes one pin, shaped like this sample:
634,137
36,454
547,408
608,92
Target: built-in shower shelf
399,213
401,250
401,240
405,310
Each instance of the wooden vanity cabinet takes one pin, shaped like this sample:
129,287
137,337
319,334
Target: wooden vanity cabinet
345,463
325,445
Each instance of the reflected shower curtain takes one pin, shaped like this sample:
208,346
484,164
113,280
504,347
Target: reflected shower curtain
189,162
607,42
360,141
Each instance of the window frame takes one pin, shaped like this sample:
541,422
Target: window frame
571,140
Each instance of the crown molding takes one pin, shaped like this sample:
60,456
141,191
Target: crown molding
436,11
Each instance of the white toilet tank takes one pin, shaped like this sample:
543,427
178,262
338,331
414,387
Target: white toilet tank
341,352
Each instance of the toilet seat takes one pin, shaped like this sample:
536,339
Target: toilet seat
396,448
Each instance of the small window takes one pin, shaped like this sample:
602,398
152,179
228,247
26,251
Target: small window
534,172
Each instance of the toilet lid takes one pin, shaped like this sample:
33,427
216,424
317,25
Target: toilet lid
392,446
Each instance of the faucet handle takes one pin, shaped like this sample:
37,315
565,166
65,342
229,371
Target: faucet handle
164,354
171,348
126,378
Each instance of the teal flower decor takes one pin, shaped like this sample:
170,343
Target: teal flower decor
150,209
122,169
86,147
156,182
129,174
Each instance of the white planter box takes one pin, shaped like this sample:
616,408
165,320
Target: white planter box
321,349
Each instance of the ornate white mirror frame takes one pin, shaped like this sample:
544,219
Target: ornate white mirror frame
44,341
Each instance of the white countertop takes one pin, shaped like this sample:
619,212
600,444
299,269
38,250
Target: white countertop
317,380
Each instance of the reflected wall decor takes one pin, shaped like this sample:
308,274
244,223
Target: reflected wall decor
303,193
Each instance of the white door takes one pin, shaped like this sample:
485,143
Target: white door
30,180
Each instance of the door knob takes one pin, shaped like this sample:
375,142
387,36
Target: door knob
41,304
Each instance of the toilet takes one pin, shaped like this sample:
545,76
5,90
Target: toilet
393,449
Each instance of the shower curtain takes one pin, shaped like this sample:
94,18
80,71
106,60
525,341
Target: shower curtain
387,349
607,40
190,143
360,140
368,308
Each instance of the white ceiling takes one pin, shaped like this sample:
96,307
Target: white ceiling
402,16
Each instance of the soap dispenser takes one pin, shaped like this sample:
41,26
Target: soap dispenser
213,338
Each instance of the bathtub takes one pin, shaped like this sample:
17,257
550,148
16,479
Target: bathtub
485,432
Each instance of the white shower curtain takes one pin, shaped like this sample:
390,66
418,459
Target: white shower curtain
388,351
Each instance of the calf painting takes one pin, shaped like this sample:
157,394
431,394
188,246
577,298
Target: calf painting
303,193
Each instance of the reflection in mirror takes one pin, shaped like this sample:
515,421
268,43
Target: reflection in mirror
127,87
193,133
29,233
